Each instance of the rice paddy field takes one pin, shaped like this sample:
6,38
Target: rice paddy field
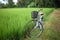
12,21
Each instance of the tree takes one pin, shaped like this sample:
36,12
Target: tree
57,3
11,3
21,3
0,5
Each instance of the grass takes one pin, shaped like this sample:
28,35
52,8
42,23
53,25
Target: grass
12,21
49,32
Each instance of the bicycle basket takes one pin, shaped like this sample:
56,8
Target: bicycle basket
34,14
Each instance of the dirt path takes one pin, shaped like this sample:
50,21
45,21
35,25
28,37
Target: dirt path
56,23
55,15
52,26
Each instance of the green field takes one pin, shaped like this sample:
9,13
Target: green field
12,21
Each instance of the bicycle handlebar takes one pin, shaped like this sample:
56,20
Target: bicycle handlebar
40,10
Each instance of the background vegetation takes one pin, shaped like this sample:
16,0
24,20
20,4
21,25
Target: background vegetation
31,3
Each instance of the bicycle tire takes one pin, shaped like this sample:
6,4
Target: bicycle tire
35,33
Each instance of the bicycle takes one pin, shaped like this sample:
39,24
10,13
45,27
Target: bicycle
34,28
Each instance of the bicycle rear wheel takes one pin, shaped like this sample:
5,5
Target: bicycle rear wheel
36,32
31,32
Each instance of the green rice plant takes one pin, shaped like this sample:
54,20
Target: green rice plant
12,22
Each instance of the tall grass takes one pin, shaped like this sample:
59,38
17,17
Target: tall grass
12,22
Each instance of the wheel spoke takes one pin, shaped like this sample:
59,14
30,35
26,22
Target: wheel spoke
33,32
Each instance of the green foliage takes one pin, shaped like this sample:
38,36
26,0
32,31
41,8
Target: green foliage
32,3
11,3
2,5
51,34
